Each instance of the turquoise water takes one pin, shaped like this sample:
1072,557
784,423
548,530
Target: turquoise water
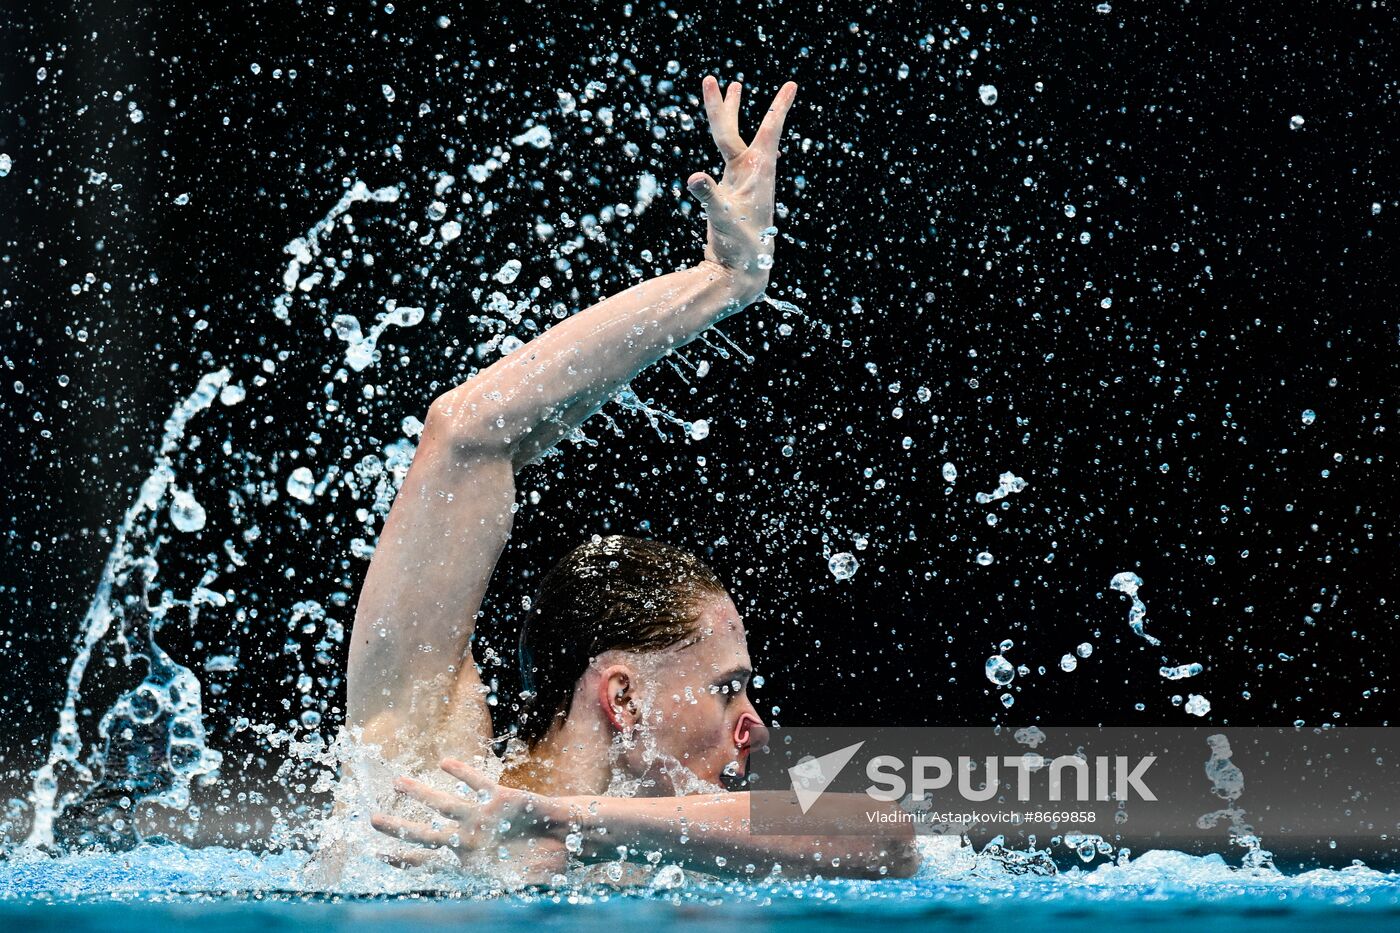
933,908
223,891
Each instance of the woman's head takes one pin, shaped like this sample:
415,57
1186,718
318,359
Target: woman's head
647,632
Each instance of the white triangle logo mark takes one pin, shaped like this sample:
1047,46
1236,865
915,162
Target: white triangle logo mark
812,776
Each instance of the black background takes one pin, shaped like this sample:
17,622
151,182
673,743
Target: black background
1249,279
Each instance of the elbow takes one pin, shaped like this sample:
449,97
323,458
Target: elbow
469,423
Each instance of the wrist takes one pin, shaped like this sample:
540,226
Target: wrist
556,816
742,286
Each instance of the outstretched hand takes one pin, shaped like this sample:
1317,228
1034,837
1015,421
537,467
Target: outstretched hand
739,209
489,815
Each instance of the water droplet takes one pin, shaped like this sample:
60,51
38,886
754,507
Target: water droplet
182,199
6,163
537,136
508,272
389,94
1007,699
987,93
450,231
1085,237
232,394
1070,210
699,430
186,514
1197,705
999,670
1309,416
950,473
1084,649
1068,663
1295,122
843,566
301,484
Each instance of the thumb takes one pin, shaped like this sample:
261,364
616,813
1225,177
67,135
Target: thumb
702,186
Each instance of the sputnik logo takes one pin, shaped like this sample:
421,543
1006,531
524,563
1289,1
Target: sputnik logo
812,776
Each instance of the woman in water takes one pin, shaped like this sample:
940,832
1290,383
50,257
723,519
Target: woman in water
633,656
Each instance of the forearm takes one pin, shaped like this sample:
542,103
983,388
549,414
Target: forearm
530,399
712,833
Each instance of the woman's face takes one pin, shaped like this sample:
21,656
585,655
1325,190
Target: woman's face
696,722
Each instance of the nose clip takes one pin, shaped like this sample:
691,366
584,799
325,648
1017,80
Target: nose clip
743,729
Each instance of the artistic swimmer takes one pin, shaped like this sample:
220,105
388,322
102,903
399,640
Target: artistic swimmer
636,728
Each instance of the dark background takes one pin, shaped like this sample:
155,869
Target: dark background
1249,274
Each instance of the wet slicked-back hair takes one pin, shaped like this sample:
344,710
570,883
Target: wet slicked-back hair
610,594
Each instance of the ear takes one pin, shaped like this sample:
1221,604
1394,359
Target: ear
616,696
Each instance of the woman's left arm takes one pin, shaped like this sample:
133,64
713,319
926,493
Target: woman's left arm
704,832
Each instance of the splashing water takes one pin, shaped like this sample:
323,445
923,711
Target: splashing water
168,700
151,741
305,250
1127,583
359,352
1181,671
1007,483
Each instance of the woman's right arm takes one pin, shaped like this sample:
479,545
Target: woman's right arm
412,684
534,397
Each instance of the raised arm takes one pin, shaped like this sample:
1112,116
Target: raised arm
530,399
413,687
